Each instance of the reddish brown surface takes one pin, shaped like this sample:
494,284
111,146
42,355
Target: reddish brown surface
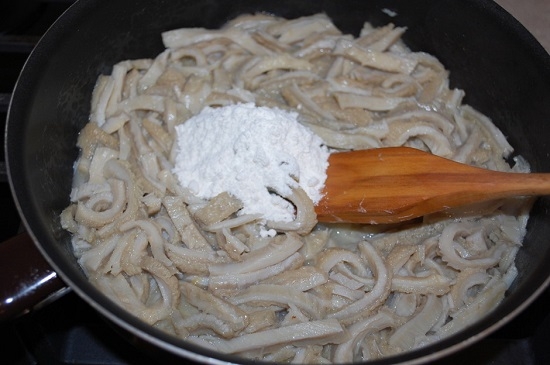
533,14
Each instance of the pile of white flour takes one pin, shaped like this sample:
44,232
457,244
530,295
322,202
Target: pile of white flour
256,154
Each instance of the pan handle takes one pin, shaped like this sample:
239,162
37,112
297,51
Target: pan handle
27,281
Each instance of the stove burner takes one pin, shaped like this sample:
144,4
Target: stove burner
16,16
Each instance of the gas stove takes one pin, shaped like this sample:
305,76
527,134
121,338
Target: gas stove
68,331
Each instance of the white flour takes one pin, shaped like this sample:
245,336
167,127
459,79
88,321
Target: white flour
254,153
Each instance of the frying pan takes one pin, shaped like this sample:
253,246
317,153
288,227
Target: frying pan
504,71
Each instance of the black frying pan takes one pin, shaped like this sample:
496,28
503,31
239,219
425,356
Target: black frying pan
504,71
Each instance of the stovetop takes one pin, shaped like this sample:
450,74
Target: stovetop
69,331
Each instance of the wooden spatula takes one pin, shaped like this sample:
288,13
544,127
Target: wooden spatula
391,185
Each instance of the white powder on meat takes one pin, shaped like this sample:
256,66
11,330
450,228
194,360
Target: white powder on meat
257,154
